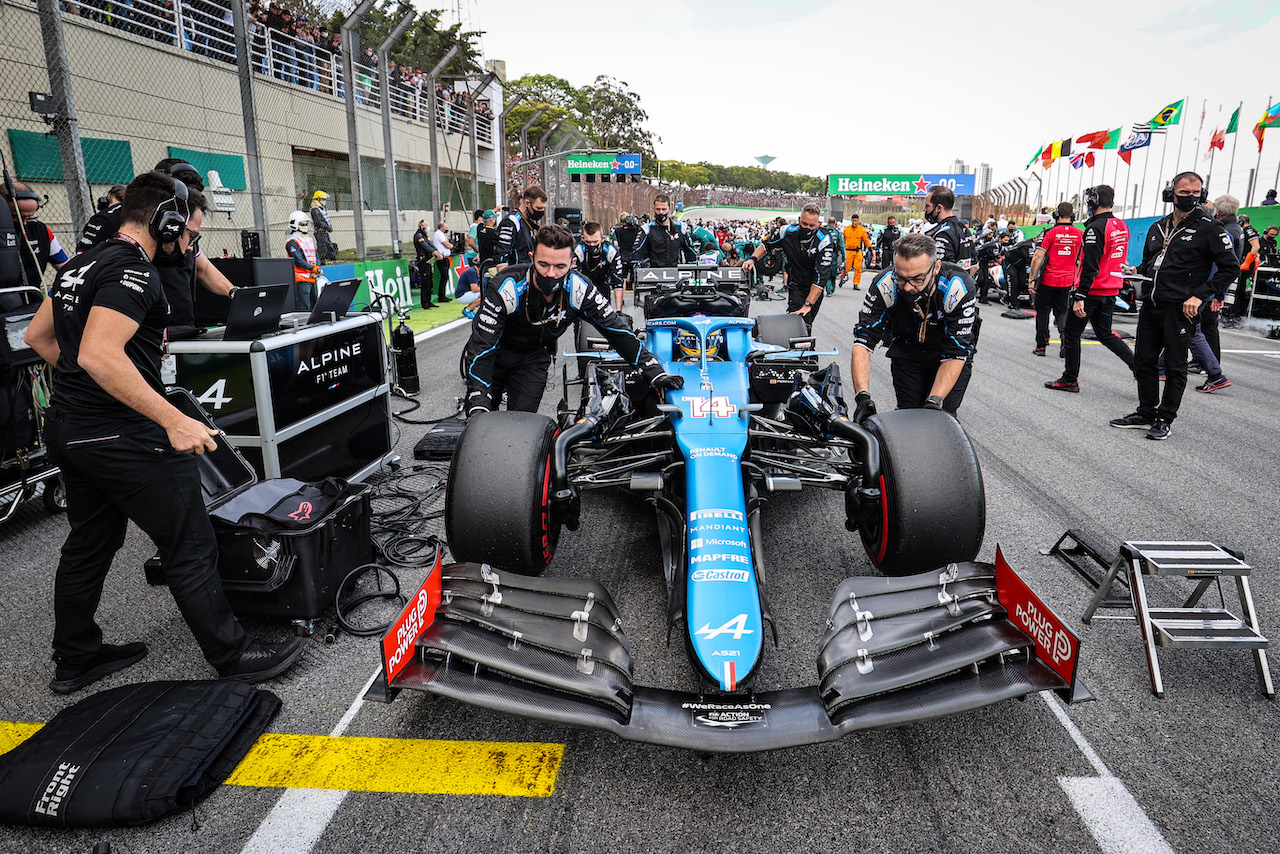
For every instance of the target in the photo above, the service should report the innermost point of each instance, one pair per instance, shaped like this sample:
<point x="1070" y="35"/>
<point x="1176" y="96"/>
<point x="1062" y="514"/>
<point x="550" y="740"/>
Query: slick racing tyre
<point x="779" y="329"/>
<point x="933" y="507"/>
<point x="497" y="507"/>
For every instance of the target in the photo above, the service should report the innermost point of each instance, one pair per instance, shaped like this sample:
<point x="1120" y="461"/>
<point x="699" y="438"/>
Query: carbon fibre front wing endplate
<point x="896" y="651"/>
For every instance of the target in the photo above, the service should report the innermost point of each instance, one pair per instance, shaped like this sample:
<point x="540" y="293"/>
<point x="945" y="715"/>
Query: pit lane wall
<point x="1260" y="217"/>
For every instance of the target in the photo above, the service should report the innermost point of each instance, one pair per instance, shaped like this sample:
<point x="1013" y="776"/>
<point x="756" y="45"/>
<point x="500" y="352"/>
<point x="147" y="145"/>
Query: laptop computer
<point x="334" y="301"/>
<point x="255" y="312"/>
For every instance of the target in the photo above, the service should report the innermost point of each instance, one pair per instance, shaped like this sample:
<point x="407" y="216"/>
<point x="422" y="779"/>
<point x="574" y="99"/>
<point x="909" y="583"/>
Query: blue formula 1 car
<point x="936" y="634"/>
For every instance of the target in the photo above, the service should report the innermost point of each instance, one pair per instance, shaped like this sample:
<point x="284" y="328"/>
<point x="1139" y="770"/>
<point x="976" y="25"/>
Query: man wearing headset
<point x="1179" y="252"/>
<point x="179" y="271"/>
<point x="40" y="239"/>
<point x="126" y="453"/>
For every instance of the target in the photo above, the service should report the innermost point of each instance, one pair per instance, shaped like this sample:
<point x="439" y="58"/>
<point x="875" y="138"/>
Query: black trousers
<point x="442" y="280"/>
<point x="913" y="377"/>
<point x="795" y="301"/>
<point x="1048" y="299"/>
<point x="1098" y="311"/>
<point x="1161" y="329"/>
<point x="522" y="376"/>
<point x="121" y="469"/>
<point x="1015" y="281"/>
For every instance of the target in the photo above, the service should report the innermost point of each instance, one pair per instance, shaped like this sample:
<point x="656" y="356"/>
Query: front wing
<point x="896" y="651"/>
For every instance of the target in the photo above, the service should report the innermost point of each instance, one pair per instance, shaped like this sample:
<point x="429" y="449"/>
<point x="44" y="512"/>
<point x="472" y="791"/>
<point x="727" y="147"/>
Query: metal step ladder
<point x="1188" y="626"/>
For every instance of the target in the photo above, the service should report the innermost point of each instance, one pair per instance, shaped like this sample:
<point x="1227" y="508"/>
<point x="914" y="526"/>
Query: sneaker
<point x="1159" y="431"/>
<point x="1064" y="385"/>
<point x="1132" y="421"/>
<point x="469" y="313"/>
<point x="1196" y="368"/>
<point x="1209" y="386"/>
<point x="264" y="660"/>
<point x="1039" y="351"/>
<point x="110" y="658"/>
<point x="1162" y="376"/>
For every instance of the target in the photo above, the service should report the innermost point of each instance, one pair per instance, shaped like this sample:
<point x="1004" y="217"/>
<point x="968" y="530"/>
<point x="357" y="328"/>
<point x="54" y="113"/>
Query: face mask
<point x="593" y="252"/>
<point x="1186" y="204"/>
<point x="534" y="215"/>
<point x="659" y="218"/>
<point x="547" y="285"/>
<point x="931" y="215"/>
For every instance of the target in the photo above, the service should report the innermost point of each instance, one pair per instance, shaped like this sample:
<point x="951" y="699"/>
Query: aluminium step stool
<point x="1188" y="626"/>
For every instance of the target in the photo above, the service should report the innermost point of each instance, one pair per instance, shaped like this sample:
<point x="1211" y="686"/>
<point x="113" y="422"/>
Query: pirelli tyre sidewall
<point x="779" y="329"/>
<point x="497" y="502"/>
<point x="933" y="505"/>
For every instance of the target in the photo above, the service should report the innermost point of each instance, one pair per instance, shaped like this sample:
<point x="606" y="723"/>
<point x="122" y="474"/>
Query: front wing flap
<point x="896" y="651"/>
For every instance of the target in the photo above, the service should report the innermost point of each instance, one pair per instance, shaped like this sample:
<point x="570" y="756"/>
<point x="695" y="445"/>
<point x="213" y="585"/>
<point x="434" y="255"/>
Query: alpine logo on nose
<point x="737" y="627"/>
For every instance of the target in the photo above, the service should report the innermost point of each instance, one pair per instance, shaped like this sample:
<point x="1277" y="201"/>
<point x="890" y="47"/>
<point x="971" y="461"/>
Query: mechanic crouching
<point x="523" y="311"/>
<point x="925" y="309"/>
<point x="126" y="453"/>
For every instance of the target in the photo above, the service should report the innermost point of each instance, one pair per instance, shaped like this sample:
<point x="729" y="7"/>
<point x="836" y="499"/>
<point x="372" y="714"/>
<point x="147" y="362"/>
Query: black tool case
<point x="278" y="570"/>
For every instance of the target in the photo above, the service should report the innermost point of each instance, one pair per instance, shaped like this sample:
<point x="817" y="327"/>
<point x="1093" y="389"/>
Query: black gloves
<point x="933" y="402"/>
<point x="665" y="382"/>
<point x="865" y="407"/>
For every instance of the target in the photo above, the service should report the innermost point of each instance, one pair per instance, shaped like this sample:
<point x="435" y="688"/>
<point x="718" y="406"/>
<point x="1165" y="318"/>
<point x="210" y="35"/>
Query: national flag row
<point x="1141" y="137"/>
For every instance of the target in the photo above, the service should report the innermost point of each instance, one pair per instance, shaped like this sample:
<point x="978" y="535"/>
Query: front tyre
<point x="497" y="508"/>
<point x="933" y="507"/>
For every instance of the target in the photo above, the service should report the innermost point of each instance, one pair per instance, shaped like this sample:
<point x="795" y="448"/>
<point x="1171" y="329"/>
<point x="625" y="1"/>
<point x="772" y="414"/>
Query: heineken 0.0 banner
<point x="603" y="164"/>
<point x="897" y="185"/>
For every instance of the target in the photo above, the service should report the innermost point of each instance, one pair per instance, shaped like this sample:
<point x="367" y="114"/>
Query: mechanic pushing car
<point x="522" y="313"/>
<point x="925" y="308"/>
<point x="663" y="241"/>
<point x="808" y="255"/>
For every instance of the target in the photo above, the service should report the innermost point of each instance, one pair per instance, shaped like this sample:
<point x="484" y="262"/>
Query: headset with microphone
<point x="169" y="220"/>
<point x="1167" y="194"/>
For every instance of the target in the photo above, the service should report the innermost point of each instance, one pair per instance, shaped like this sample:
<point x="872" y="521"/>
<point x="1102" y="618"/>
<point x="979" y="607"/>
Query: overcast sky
<point x="892" y="86"/>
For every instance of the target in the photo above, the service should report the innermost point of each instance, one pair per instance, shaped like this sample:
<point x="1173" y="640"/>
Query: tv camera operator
<point x="523" y="310"/>
<point x="126" y="453"/>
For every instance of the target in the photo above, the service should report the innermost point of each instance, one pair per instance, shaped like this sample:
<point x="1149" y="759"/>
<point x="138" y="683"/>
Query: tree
<point x="422" y="45"/>
<point x="618" y="118"/>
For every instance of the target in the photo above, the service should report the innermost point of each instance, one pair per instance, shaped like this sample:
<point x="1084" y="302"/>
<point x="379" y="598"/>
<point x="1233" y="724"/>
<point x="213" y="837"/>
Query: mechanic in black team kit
<point x="925" y="309"/>
<point x="599" y="262"/>
<point x="1179" y="252"/>
<point x="663" y="241"/>
<point x="523" y="311"/>
<point x="955" y="243"/>
<point x="126" y="453"/>
<point x="514" y="244"/>
<point x="809" y="254"/>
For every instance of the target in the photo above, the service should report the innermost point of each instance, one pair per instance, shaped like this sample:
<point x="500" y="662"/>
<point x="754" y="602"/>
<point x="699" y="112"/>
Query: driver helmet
<point x="299" y="222"/>
<point x="687" y="345"/>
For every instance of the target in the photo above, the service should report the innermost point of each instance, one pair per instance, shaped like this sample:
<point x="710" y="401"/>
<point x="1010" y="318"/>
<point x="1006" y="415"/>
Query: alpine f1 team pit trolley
<point x="307" y="402"/>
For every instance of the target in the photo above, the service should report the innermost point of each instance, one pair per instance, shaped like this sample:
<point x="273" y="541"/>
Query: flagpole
<point x="1234" y="142"/>
<point x="1146" y="163"/>
<point x="1164" y="150"/>
<point x="1181" y="137"/>
<point x="1203" y="106"/>
<point x="1254" y="180"/>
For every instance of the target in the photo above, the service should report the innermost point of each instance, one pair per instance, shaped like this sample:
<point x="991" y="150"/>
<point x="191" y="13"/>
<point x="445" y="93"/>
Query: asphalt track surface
<point x="1193" y="772"/>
